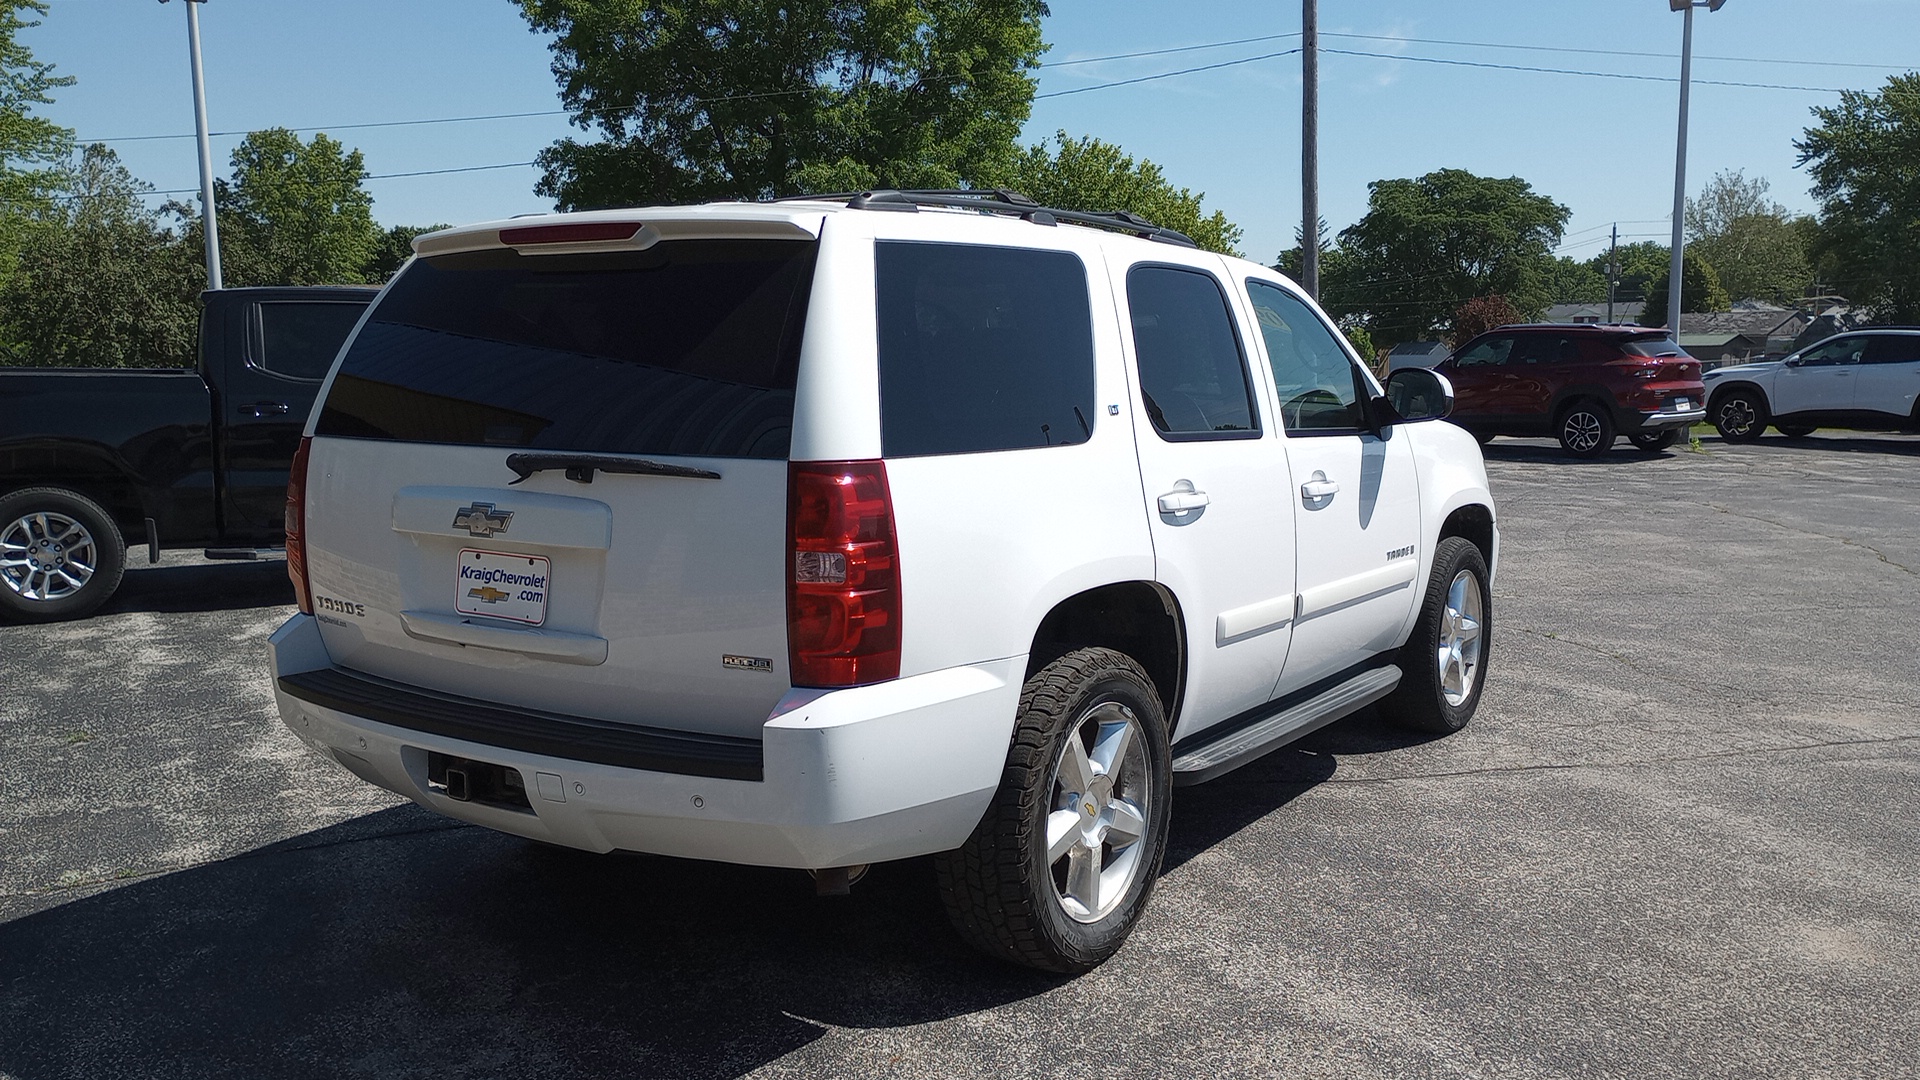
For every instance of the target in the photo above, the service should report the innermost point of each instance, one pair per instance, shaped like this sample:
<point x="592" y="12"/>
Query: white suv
<point x="1868" y="380"/>
<point x="823" y="532"/>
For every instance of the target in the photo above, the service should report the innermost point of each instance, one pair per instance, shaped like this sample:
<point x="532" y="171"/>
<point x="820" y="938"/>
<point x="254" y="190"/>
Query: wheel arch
<point x="1474" y="524"/>
<point x="1139" y="618"/>
<point x="87" y="470"/>
<point x="1722" y="390"/>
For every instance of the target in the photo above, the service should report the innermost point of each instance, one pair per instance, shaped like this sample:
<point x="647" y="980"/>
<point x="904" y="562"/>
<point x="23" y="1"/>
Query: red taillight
<point x="297" y="528"/>
<point x="579" y="232"/>
<point x="843" y="575"/>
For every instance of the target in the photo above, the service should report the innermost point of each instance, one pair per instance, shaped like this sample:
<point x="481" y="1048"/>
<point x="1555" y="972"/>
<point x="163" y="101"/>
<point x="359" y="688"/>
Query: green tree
<point x="1571" y="282"/>
<point x="1428" y="244"/>
<point x="1700" y="290"/>
<point x="293" y="213"/>
<point x="708" y="99"/>
<point x="1638" y="263"/>
<point x="33" y="150"/>
<point x="1087" y="174"/>
<point x="100" y="282"/>
<point x="1862" y="158"/>
<point x="394" y="249"/>
<point x="1749" y="240"/>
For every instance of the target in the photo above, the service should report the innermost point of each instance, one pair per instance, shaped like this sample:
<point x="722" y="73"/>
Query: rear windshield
<point x="687" y="348"/>
<point x="1654" y="347"/>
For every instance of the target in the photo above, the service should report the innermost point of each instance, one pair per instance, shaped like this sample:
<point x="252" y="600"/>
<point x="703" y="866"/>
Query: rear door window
<point x="1193" y="371"/>
<point x="690" y="347"/>
<point x="1893" y="349"/>
<point x="982" y="348"/>
<point x="298" y="340"/>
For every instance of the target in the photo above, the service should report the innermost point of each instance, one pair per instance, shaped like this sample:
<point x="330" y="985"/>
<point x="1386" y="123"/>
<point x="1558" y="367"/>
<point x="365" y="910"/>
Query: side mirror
<point x="1416" y="394"/>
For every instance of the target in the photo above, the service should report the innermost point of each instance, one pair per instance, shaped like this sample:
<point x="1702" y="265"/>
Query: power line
<point x="1617" y="52"/>
<point x="371" y="176"/>
<point x="1588" y="74"/>
<point x="1167" y="52"/>
<point x="1168" y="74"/>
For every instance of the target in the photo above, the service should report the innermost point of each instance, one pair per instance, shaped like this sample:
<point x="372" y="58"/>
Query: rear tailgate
<point x="559" y="480"/>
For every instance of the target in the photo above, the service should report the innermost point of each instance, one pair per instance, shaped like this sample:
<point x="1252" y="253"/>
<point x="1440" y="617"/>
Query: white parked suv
<point x="822" y="532"/>
<point x="1867" y="379"/>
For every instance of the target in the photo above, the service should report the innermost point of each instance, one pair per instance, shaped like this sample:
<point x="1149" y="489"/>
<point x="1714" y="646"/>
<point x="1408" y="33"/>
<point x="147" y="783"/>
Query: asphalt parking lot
<point x="1678" y="840"/>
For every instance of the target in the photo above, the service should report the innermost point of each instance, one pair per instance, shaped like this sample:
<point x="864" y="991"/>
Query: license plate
<point x="1681" y="404"/>
<point x="502" y="585"/>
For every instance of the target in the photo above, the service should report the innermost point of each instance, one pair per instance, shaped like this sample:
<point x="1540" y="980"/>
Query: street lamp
<point x="1680" y="161"/>
<point x="208" y="226"/>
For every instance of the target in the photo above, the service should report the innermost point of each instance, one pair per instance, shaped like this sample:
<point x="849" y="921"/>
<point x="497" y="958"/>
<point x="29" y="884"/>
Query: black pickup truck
<point x="173" y="458"/>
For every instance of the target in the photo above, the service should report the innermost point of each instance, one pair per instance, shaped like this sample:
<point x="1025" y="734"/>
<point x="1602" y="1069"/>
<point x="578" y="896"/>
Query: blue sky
<point x="1602" y="146"/>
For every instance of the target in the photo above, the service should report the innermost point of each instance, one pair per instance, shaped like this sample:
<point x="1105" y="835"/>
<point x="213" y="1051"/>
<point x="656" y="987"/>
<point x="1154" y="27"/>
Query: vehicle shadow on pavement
<point x="403" y="944"/>
<point x="1209" y="813"/>
<point x="1545" y="452"/>
<point x="1864" y="443"/>
<point x="212" y="586"/>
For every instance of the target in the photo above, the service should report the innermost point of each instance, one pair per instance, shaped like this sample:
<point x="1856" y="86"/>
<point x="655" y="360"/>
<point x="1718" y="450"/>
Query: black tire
<point x="1585" y="428"/>
<point x="43" y="579"/>
<point x="1740" y="415"/>
<point x="1003" y="893"/>
<point x="1483" y="437"/>
<point x="1655" y="441"/>
<point x="1422" y="701"/>
<point x="1794" y="431"/>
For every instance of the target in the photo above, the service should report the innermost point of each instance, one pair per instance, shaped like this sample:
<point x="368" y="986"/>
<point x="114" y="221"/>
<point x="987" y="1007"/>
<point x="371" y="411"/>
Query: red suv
<point x="1583" y="384"/>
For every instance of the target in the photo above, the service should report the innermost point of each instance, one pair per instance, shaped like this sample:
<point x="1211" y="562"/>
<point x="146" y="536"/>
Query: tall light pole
<point x="1680" y="161"/>
<point x="208" y="225"/>
<point x="1310" y="148"/>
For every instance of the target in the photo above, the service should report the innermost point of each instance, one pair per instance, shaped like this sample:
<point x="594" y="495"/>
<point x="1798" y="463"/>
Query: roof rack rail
<point x="996" y="201"/>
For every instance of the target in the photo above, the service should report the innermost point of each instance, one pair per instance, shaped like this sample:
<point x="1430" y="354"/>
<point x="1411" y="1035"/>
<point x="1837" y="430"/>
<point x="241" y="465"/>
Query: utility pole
<point x="1613" y="269"/>
<point x="1310" y="148"/>
<point x="208" y="225"/>
<point x="1680" y="161"/>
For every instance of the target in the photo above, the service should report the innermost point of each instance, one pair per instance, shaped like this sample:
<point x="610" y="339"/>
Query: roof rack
<point x="997" y="201"/>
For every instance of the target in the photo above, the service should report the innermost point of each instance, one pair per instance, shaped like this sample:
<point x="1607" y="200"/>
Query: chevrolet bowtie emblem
<point x="487" y="594"/>
<point x="481" y="519"/>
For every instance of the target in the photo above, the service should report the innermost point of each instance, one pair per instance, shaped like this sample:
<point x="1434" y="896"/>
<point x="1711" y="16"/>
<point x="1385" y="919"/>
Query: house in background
<point x="1623" y="312"/>
<point x="1416" y="354"/>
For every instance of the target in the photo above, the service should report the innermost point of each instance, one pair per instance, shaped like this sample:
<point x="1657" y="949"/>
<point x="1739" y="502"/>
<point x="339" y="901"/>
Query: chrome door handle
<point x="1319" y="488"/>
<point x="1180" y="501"/>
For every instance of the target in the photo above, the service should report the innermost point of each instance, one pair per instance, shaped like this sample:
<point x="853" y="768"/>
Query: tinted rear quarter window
<point x="687" y="348"/>
<point x="299" y="340"/>
<point x="981" y="348"/>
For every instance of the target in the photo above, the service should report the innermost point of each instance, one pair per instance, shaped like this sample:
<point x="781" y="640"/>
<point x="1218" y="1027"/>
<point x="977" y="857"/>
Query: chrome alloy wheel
<point x="1101" y="797"/>
<point x="1581" y="431"/>
<point x="1458" y="656"/>
<point x="1736" y="416"/>
<point x="47" y="556"/>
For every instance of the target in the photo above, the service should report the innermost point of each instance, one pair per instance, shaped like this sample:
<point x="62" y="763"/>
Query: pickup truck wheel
<point x="1739" y="415"/>
<point x="1444" y="664"/>
<point x="1586" y="429"/>
<point x="1653" y="441"/>
<point x="1058" y="870"/>
<point x="60" y="555"/>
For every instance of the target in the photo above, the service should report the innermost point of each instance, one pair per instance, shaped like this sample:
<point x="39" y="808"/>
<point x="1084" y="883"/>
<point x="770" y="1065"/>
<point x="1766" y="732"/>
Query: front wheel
<point x="1444" y="664"/>
<point x="1654" y="441"/>
<point x="1059" y="869"/>
<point x="1740" y="415"/>
<point x="61" y="556"/>
<point x="1586" y="429"/>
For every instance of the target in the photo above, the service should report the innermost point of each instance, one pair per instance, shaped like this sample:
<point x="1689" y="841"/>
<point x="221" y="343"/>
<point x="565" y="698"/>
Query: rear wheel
<point x="1483" y="437"/>
<point x="1059" y="869"/>
<point x="1586" y="429"/>
<point x="1652" y="441"/>
<point x="1794" y="431"/>
<point x="1444" y="664"/>
<point x="1740" y="415"/>
<point x="61" y="556"/>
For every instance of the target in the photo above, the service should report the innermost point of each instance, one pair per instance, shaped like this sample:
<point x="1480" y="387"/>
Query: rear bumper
<point x="1659" y="421"/>
<point x="847" y="776"/>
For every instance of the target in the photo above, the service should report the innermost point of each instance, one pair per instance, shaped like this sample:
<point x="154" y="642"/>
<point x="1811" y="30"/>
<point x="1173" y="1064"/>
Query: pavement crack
<point x="1847" y="540"/>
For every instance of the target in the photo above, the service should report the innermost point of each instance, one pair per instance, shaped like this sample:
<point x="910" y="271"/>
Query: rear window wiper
<point x="580" y="467"/>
